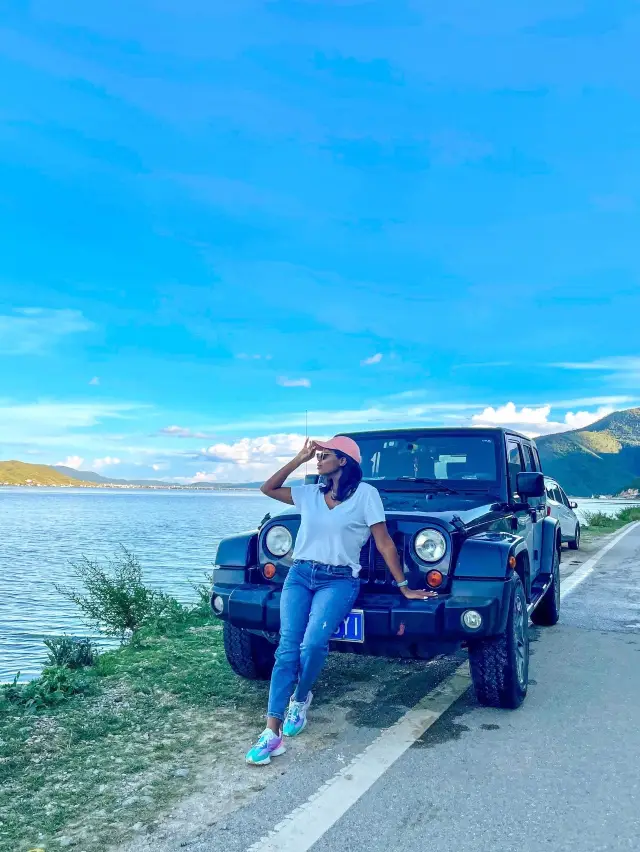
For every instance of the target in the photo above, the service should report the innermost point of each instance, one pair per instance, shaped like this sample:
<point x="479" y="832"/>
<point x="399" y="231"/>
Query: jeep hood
<point x="438" y="507"/>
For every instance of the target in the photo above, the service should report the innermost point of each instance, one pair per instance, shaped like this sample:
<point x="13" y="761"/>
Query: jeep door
<point x="526" y="524"/>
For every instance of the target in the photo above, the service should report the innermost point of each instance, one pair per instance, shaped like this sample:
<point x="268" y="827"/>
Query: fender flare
<point x="238" y="551"/>
<point x="486" y="555"/>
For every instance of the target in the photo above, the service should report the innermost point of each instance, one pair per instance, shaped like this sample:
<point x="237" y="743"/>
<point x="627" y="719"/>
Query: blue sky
<point x="218" y="216"/>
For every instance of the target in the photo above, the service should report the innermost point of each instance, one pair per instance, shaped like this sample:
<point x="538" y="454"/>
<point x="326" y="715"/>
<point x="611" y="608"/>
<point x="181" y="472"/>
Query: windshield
<point x="444" y="457"/>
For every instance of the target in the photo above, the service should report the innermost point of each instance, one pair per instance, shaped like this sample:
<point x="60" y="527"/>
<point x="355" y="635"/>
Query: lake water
<point x="175" y="535"/>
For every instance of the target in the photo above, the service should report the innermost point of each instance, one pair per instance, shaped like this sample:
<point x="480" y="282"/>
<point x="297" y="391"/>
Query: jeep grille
<point x="374" y="571"/>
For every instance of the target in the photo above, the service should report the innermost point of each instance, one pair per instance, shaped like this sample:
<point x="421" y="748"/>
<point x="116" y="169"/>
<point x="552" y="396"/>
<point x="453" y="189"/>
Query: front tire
<point x="547" y="612"/>
<point x="500" y="664"/>
<point x="574" y="544"/>
<point x="250" y="656"/>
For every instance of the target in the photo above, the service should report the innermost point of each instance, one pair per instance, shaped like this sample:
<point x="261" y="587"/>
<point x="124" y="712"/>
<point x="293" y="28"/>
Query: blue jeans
<point x="315" y="599"/>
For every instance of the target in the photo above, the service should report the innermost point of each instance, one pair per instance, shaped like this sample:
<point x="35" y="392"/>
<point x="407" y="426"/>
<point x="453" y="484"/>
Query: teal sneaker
<point x="296" y="719"/>
<point x="268" y="745"/>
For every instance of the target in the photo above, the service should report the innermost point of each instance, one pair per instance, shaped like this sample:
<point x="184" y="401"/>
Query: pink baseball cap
<point x="343" y="445"/>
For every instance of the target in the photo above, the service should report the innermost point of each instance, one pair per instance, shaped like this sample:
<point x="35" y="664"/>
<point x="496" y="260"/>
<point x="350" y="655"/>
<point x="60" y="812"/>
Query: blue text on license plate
<point x="351" y="629"/>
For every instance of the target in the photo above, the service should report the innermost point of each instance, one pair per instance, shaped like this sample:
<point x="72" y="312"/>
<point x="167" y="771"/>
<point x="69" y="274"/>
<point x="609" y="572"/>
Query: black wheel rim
<point x="556" y="580"/>
<point x="577" y="536"/>
<point x="520" y="638"/>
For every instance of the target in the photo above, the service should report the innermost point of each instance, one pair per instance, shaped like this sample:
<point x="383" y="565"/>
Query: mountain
<point x="21" y="473"/>
<point x="90" y="476"/>
<point x="601" y="459"/>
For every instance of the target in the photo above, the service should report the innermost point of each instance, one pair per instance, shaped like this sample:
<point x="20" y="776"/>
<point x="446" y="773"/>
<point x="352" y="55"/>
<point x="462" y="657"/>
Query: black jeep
<point x="466" y="509"/>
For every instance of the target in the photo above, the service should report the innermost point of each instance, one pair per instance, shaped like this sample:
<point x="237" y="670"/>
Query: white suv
<point x="559" y="506"/>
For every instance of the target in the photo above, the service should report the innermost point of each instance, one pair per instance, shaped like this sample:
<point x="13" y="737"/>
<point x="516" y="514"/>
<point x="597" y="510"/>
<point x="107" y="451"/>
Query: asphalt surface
<point x="561" y="773"/>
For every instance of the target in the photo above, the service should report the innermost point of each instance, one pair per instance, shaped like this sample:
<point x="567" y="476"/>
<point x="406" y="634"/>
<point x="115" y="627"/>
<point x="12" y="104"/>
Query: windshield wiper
<point x="437" y="486"/>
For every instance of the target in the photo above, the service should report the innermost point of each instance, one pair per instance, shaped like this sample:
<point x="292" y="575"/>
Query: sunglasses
<point x="323" y="456"/>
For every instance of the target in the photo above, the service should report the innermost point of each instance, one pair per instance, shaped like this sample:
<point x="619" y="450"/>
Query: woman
<point x="322" y="584"/>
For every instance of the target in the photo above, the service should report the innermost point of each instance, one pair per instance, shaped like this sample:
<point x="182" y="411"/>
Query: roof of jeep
<point x="456" y="430"/>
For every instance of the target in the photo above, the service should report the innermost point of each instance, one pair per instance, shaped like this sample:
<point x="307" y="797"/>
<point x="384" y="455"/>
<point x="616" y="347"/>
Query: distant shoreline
<point x="112" y="487"/>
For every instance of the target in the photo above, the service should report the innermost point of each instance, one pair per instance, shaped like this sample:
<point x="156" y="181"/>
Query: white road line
<point x="588" y="567"/>
<point x="305" y="825"/>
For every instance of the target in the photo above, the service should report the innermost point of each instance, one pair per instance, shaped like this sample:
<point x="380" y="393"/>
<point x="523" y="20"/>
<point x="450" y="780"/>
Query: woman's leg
<point x="295" y="605"/>
<point x="331" y="604"/>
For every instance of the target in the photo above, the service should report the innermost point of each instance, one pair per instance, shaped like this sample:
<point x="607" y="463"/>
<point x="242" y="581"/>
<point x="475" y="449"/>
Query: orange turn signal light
<point x="269" y="570"/>
<point x="512" y="562"/>
<point x="434" y="579"/>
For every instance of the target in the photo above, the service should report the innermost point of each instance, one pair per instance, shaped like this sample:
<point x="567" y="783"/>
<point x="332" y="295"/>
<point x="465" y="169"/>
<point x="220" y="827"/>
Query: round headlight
<point x="430" y="545"/>
<point x="278" y="541"/>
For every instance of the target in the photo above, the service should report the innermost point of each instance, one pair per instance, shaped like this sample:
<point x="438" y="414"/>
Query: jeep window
<point x="515" y="464"/>
<point x="537" y="457"/>
<point x="529" y="458"/>
<point x="563" y="497"/>
<point x="446" y="457"/>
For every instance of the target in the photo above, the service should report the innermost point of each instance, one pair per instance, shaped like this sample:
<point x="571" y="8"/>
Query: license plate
<point x="351" y="629"/>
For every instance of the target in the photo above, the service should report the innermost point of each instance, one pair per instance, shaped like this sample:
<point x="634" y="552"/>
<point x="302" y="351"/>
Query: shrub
<point x="71" y="652"/>
<point x="203" y="590"/>
<point x="599" y="519"/>
<point x="631" y="513"/>
<point x="55" y="685"/>
<point x="115" y="598"/>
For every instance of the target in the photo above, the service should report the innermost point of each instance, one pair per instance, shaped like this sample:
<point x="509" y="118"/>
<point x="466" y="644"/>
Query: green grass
<point x="598" y="523"/>
<point x="89" y="767"/>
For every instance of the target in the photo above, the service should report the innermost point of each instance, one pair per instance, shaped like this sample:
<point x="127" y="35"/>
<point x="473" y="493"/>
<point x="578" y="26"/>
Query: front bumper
<point x="386" y="616"/>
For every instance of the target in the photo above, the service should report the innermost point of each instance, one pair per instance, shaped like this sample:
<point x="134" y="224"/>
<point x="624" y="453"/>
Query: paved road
<point x="561" y="773"/>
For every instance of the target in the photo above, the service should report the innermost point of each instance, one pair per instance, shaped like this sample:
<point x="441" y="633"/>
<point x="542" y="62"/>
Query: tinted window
<point x="515" y="464"/>
<point x="433" y="456"/>
<point x="529" y="458"/>
<point x="557" y="496"/>
<point x="549" y="489"/>
<point x="563" y="497"/>
<point x="537" y="457"/>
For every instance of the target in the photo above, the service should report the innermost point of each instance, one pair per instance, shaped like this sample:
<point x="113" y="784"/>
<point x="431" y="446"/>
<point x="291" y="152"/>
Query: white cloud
<point x="157" y="467"/>
<point x="184" y="432"/>
<point x="293" y="383"/>
<point x="582" y="419"/>
<point x="71" y="461"/>
<point x="534" y="421"/>
<point x="46" y="420"/>
<point x="244" y="356"/>
<point x="622" y="363"/>
<point x="33" y="331"/>
<point x="264" y="450"/>
<point x="374" y="359"/>
<point x="508" y="415"/>
<point x="107" y="461"/>
<point x="95" y="380"/>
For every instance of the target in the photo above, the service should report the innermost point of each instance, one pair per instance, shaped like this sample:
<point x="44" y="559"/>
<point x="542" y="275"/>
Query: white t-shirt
<point x="335" y="536"/>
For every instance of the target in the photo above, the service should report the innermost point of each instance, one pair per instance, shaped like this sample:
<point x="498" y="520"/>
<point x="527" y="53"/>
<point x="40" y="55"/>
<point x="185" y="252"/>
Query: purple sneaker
<point x="268" y="745"/>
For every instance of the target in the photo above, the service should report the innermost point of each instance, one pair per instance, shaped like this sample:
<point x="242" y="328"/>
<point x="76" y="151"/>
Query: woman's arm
<point x="387" y="548"/>
<point x="273" y="485"/>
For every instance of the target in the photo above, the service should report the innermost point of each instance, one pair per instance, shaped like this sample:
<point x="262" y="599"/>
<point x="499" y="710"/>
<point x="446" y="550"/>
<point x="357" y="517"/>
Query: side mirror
<point x="573" y="505"/>
<point x="530" y="484"/>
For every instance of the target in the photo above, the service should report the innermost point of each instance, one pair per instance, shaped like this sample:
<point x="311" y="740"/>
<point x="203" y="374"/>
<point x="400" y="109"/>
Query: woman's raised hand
<point x="307" y="452"/>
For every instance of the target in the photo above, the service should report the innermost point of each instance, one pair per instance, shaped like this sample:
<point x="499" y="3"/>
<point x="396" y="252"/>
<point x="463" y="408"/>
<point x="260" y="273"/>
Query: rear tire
<point x="250" y="656"/>
<point x="574" y="544"/>
<point x="547" y="612"/>
<point x="500" y="664"/>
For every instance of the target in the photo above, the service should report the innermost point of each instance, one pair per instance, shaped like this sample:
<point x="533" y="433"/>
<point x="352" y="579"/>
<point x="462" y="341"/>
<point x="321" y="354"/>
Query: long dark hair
<point x="350" y="478"/>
